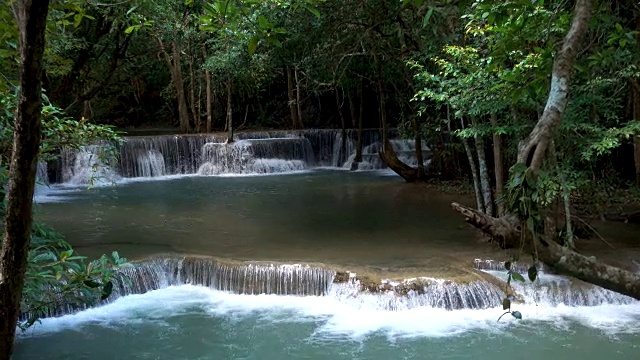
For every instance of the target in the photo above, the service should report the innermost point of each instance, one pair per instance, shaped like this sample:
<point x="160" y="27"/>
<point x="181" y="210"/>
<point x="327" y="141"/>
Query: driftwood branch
<point x="560" y="259"/>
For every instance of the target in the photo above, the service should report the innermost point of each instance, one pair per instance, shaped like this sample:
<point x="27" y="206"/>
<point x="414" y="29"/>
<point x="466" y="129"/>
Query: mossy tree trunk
<point x="31" y="17"/>
<point x="532" y="152"/>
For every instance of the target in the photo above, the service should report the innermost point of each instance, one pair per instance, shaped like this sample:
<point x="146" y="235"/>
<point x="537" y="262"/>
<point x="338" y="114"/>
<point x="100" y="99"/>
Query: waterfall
<point x="256" y="156"/>
<point x="239" y="278"/>
<point x="262" y="152"/>
<point x="304" y="280"/>
<point x="86" y="165"/>
<point x="550" y="289"/>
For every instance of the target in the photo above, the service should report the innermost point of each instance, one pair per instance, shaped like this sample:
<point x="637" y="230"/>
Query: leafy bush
<point x="56" y="277"/>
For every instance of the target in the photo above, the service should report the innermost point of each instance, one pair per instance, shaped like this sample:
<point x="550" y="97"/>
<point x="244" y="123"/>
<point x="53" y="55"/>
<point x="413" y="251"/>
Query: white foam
<point x="337" y="318"/>
<point x="54" y="194"/>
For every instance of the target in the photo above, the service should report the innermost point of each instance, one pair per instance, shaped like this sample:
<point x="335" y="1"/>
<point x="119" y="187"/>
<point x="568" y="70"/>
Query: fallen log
<point x="560" y="259"/>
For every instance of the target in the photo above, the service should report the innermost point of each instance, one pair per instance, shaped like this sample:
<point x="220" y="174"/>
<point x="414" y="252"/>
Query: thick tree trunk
<point x="635" y="108"/>
<point x="209" y="102"/>
<point x="561" y="259"/>
<point x="292" y="99"/>
<point x="498" y="166"/>
<point x="352" y="110"/>
<point x="343" y="131"/>
<point x="419" y="155"/>
<point x="229" y="112"/>
<point x="298" y="101"/>
<point x="474" y="172"/>
<point x="532" y="151"/>
<point x="174" y="64"/>
<point x="178" y="83"/>
<point x="485" y="182"/>
<point x="192" y="93"/>
<point x="31" y="17"/>
<point x="358" y="158"/>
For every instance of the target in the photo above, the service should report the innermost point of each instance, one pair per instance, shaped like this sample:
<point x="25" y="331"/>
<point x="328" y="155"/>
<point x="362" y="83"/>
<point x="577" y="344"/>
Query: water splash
<point x="87" y="166"/>
<point x="256" y="156"/>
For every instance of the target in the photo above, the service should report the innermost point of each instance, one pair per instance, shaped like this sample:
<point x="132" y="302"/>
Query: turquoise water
<point x="360" y="221"/>
<point x="189" y="322"/>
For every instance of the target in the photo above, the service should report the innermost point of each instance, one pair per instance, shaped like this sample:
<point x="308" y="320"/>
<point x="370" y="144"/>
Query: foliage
<point x="57" y="278"/>
<point x="532" y="274"/>
<point x="58" y="131"/>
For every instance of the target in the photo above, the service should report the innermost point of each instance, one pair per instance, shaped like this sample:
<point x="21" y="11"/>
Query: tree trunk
<point x="561" y="259"/>
<point x="229" y="112"/>
<point x="298" y="101"/>
<point x="498" y="166"/>
<point x="532" y="151"/>
<point x="343" y="131"/>
<point x="419" y="155"/>
<point x="352" y="110"/>
<point x="192" y="93"/>
<point x="358" y="159"/>
<point x="474" y="172"/>
<point x="635" y="106"/>
<point x="485" y="182"/>
<point x="31" y="17"/>
<point x="175" y="70"/>
<point x="209" y="104"/>
<point x="292" y="99"/>
<point x="178" y="83"/>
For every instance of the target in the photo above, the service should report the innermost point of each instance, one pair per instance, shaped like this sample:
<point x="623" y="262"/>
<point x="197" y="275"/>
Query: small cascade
<point x="553" y="290"/>
<point x="550" y="289"/>
<point x="404" y="149"/>
<point x="151" y="164"/>
<point x="342" y="147"/>
<point x="239" y="278"/>
<point x="492" y="265"/>
<point x="42" y="174"/>
<point x="256" y="156"/>
<point x="421" y="292"/>
<point x="86" y="166"/>
<point x="180" y="154"/>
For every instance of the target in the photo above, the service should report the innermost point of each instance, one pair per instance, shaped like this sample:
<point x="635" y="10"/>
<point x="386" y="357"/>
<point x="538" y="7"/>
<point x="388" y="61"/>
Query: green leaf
<point x="130" y="29"/>
<point x="517" y="277"/>
<point x="506" y="304"/>
<point x="253" y="45"/>
<point x="312" y="10"/>
<point x="533" y="273"/>
<point x="427" y="16"/>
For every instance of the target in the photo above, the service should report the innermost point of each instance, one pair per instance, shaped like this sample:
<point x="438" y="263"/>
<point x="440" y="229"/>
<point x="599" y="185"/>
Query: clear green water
<point x="362" y="221"/>
<point x="196" y="323"/>
<point x="334" y="217"/>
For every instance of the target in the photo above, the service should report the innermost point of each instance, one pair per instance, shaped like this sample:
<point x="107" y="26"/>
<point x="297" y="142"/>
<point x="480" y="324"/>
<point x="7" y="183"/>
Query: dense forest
<point x="550" y="86"/>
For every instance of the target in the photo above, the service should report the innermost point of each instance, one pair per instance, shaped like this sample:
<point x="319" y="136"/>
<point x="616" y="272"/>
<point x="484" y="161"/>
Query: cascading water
<point x="256" y="156"/>
<point x="553" y="290"/>
<point x="87" y="166"/>
<point x="209" y="154"/>
<point x="303" y="280"/>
